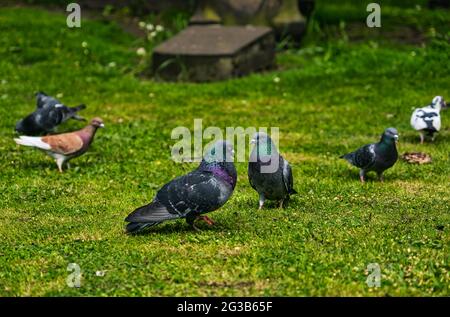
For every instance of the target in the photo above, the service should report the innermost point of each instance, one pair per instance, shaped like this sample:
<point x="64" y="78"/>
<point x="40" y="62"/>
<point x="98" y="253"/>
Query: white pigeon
<point x="428" y="119"/>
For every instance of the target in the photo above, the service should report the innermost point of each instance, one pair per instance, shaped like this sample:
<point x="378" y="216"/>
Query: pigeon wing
<point x="49" y="118"/>
<point x="66" y="143"/>
<point x="363" y="157"/>
<point x="426" y="118"/>
<point x="288" y="179"/>
<point x="186" y="194"/>
<point x="191" y="193"/>
<point x="252" y="169"/>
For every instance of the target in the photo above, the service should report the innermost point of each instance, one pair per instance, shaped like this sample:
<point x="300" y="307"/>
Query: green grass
<point x="333" y="96"/>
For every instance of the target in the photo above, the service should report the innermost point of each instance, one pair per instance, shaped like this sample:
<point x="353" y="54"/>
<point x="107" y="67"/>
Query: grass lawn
<point x="340" y="90"/>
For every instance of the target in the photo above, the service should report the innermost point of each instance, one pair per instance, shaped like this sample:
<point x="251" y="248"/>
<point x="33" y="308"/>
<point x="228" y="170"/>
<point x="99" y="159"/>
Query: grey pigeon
<point x="49" y="113"/>
<point x="268" y="172"/>
<point x="376" y="157"/>
<point x="65" y="146"/>
<point x="205" y="189"/>
<point x="428" y="119"/>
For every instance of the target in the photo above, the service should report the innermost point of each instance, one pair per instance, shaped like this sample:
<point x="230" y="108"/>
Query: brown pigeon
<point x="65" y="146"/>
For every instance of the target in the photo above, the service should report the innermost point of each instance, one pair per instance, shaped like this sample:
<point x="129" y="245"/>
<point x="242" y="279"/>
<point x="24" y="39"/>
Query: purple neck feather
<point x="87" y="134"/>
<point x="220" y="172"/>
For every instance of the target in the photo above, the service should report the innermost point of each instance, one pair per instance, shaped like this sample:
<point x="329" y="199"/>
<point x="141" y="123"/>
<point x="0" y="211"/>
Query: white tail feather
<point x="33" y="141"/>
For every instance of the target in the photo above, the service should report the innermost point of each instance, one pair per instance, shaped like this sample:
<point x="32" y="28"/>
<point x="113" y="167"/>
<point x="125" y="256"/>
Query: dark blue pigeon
<point x="376" y="157"/>
<point x="49" y="113"/>
<point x="203" y="190"/>
<point x="268" y="172"/>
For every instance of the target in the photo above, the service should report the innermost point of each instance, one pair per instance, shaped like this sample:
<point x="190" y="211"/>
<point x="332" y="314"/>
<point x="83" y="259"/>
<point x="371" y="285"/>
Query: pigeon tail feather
<point x="78" y="108"/>
<point x="153" y="212"/>
<point x="136" y="227"/>
<point x="33" y="141"/>
<point x="348" y="157"/>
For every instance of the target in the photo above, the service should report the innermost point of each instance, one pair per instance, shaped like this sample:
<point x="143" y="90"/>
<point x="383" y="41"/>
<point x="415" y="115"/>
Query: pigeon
<point x="428" y="119"/>
<point x="203" y="190"/>
<point x="65" y="146"/>
<point x="49" y="113"/>
<point x="376" y="157"/>
<point x="268" y="172"/>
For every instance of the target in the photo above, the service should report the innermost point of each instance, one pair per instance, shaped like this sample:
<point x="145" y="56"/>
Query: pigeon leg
<point x="206" y="219"/>
<point x="362" y="176"/>
<point x="261" y="201"/>
<point x="422" y="138"/>
<point x="190" y="219"/>
<point x="195" y="227"/>
<point x="60" y="162"/>
<point x="284" y="202"/>
<point x="381" y="177"/>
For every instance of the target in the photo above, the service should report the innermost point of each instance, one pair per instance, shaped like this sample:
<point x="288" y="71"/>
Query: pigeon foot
<point x="422" y="138"/>
<point x="261" y="201"/>
<point x="193" y="226"/>
<point x="206" y="219"/>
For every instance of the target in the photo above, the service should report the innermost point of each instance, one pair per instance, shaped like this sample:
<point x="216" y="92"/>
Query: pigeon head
<point x="221" y="151"/>
<point x="97" y="122"/>
<point x="40" y="93"/>
<point x="260" y="137"/>
<point x="41" y="98"/>
<point x="390" y="135"/>
<point x="264" y="143"/>
<point x="27" y="125"/>
<point x="439" y="103"/>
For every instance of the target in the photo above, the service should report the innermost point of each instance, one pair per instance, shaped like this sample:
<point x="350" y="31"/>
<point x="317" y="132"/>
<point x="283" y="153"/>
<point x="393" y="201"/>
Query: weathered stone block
<point x="213" y="52"/>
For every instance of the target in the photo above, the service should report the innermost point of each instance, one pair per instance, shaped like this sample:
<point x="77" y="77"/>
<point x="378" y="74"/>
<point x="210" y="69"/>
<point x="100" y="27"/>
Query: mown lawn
<point x="337" y="92"/>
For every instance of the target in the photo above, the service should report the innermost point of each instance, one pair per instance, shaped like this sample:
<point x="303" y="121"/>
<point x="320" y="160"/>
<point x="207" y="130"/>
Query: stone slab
<point x="212" y="40"/>
<point x="214" y="52"/>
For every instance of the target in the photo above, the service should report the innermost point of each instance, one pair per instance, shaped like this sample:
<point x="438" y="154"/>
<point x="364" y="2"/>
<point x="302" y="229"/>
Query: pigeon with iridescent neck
<point x="65" y="146"/>
<point x="268" y="172"/>
<point x="376" y="157"/>
<point x="203" y="190"/>
<point x="49" y="113"/>
<point x="428" y="119"/>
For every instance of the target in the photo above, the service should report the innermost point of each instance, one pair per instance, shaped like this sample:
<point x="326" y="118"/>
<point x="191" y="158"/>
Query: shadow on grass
<point x="180" y="226"/>
<point x="36" y="165"/>
<point x="353" y="176"/>
<point x="49" y="163"/>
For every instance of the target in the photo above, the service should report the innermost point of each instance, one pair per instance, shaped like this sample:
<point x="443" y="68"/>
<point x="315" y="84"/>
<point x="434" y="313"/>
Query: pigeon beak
<point x="252" y="141"/>
<point x="102" y="125"/>
<point x="396" y="138"/>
